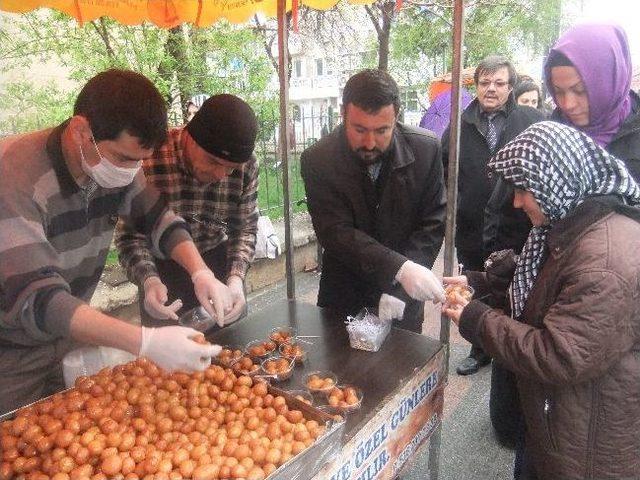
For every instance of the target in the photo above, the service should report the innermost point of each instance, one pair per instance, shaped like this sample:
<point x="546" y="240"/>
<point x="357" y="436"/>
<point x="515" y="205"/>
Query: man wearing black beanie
<point x="209" y="176"/>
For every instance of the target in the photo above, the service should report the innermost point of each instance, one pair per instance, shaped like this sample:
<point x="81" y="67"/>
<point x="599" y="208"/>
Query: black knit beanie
<point x="225" y="126"/>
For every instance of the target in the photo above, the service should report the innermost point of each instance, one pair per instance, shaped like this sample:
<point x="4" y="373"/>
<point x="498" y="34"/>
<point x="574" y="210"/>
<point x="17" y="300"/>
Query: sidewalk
<point x="469" y="450"/>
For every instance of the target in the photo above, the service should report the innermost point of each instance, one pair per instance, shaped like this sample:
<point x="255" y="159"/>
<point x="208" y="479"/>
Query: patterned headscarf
<point x="561" y="167"/>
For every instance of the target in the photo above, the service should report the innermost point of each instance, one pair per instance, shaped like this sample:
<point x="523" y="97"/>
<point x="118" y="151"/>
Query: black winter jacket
<point x="366" y="240"/>
<point x="508" y="228"/>
<point x="474" y="185"/>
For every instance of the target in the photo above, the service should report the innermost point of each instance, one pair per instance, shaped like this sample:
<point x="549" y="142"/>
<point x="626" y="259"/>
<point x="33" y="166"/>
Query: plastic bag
<point x="267" y="241"/>
<point x="198" y="319"/>
<point x="367" y="331"/>
<point x="90" y="360"/>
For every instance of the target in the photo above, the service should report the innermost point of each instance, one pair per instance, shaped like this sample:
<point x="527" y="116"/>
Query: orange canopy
<point x="442" y="83"/>
<point x="164" y="13"/>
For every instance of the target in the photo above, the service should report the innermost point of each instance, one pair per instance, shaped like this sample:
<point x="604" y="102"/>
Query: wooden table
<point x="403" y="394"/>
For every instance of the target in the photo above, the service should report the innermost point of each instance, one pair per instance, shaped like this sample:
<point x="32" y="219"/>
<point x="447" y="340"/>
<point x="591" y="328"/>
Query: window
<point x="297" y="113"/>
<point x="297" y="68"/>
<point x="409" y="100"/>
<point x="328" y="68"/>
<point x="319" y="67"/>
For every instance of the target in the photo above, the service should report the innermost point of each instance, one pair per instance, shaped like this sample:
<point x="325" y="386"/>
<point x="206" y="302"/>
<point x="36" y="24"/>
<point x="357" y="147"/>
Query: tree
<point x="491" y="26"/>
<point x="421" y="38"/>
<point x="182" y="61"/>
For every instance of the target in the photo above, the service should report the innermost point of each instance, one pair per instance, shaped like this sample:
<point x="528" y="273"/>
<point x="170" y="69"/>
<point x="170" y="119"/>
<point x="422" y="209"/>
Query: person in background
<point x="573" y="338"/>
<point x="527" y="93"/>
<point x="194" y="104"/>
<point x="208" y="174"/>
<point x="61" y="191"/>
<point x="489" y="122"/>
<point x="376" y="196"/>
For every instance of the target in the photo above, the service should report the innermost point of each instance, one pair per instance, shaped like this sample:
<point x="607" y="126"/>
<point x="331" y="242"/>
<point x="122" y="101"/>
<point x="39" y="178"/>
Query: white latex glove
<point x="420" y="282"/>
<point x="172" y="348"/>
<point x="155" y="298"/>
<point x="236" y="286"/>
<point x="214" y="296"/>
<point x="390" y="308"/>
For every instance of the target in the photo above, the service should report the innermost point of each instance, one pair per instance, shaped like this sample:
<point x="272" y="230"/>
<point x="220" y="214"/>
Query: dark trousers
<point x="474" y="261"/>
<point x="504" y="407"/>
<point x="523" y="468"/>
<point x="413" y="317"/>
<point x="179" y="284"/>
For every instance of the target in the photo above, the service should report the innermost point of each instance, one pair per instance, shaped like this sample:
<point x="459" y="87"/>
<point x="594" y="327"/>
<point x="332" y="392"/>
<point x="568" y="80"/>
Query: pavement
<point x="469" y="450"/>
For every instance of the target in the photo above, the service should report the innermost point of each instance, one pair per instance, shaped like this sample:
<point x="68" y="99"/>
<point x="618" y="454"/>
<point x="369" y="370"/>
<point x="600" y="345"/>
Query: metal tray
<point x="304" y="465"/>
<point x="307" y="463"/>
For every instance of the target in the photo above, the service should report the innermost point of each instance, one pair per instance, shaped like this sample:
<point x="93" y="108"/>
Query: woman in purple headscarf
<point x="588" y="72"/>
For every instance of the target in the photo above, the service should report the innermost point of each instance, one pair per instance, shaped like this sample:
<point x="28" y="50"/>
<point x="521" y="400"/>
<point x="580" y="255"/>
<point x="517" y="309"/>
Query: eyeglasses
<point x="499" y="84"/>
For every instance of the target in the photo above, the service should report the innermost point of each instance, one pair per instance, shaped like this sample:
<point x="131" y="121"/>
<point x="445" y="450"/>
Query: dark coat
<point x="625" y="144"/>
<point x="576" y="353"/>
<point x="367" y="238"/>
<point x="474" y="185"/>
<point x="508" y="228"/>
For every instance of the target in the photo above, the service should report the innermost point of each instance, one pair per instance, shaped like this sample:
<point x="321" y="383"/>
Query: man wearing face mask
<point x="209" y="176"/>
<point x="61" y="192"/>
<point x="376" y="196"/>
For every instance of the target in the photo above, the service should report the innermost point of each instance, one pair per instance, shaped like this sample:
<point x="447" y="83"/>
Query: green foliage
<point x="27" y="100"/>
<point x="270" y="192"/>
<point x="182" y="62"/>
<point x="423" y="34"/>
<point x="112" y="258"/>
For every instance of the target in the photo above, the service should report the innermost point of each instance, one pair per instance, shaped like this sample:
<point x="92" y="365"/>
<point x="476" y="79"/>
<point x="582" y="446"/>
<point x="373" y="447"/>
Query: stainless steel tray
<point x="304" y="465"/>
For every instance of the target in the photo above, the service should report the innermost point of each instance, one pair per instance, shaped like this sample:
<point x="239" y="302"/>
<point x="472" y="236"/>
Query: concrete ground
<point x="469" y="450"/>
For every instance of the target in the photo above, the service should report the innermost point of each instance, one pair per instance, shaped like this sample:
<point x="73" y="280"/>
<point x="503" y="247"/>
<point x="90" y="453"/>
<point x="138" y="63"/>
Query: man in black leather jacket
<point x="376" y="195"/>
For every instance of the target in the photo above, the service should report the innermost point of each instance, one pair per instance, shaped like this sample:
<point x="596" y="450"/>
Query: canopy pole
<point x="452" y="200"/>
<point x="283" y="56"/>
<point x="454" y="147"/>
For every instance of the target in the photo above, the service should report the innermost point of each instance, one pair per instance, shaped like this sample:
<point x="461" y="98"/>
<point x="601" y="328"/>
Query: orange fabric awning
<point x="164" y="13"/>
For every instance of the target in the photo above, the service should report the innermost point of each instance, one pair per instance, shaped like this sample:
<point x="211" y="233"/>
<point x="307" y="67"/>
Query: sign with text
<point x="383" y="446"/>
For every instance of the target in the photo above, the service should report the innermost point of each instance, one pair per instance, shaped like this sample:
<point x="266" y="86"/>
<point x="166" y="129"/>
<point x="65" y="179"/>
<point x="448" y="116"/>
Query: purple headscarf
<point x="600" y="54"/>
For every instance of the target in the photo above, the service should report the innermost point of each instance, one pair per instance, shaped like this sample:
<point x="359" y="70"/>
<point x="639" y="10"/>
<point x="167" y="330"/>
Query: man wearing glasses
<point x="61" y="192"/>
<point x="490" y="121"/>
<point x="209" y="176"/>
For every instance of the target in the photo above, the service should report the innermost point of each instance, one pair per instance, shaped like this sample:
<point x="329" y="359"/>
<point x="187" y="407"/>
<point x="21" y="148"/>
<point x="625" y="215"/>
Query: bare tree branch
<point x="103" y="34"/>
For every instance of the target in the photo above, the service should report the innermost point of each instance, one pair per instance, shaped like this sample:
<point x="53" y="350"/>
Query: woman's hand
<point x="454" y="306"/>
<point x="459" y="280"/>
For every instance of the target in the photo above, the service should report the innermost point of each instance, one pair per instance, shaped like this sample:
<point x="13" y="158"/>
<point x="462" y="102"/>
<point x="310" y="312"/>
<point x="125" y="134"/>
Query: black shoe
<point x="471" y="365"/>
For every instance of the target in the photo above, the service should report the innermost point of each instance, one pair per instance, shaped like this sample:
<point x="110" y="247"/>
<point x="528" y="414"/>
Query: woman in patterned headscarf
<point x="573" y="340"/>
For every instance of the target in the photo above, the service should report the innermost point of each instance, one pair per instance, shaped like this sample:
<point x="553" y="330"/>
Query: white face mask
<point x="106" y="174"/>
